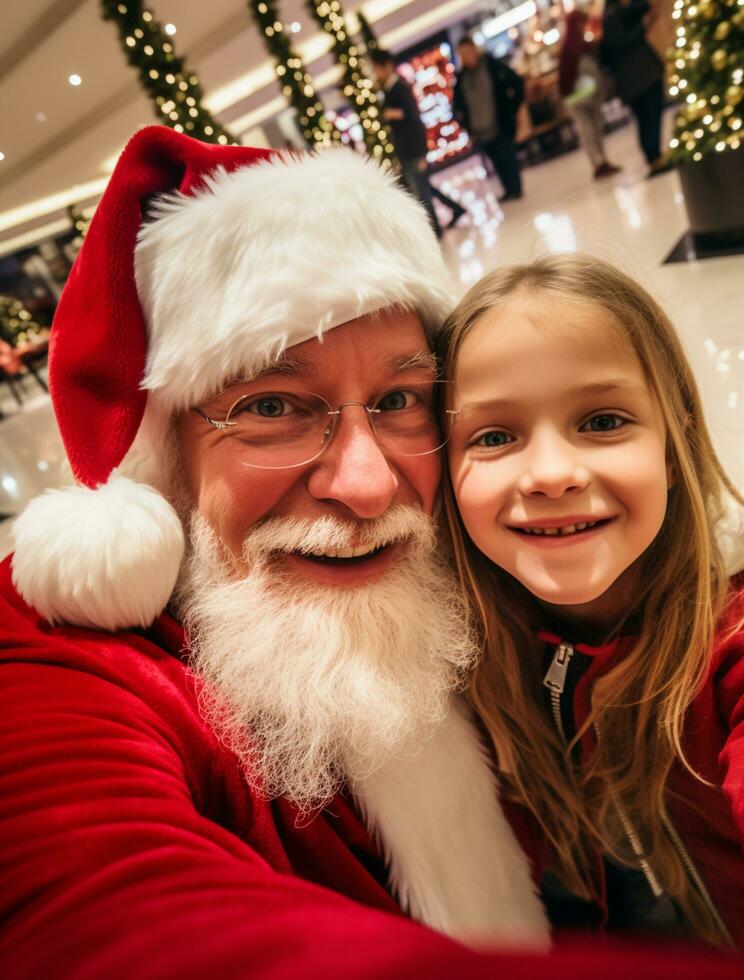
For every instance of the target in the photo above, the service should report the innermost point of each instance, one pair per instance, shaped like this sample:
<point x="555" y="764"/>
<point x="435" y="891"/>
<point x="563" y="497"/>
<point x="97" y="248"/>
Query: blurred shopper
<point x="488" y="95"/>
<point x="637" y="71"/>
<point x="580" y="83"/>
<point x="401" y="114"/>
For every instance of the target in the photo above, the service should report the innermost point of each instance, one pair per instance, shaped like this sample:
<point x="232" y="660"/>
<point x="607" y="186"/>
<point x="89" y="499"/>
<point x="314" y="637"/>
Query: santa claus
<point x="230" y="729"/>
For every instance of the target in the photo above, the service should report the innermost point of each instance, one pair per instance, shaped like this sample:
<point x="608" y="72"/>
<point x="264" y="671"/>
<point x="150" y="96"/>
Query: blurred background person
<point x="401" y="115"/>
<point x="487" y="97"/>
<point x="580" y="83"/>
<point x="637" y="71"/>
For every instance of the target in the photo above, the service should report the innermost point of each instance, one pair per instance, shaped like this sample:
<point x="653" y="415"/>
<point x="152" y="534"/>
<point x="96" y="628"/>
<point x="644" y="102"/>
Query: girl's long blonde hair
<point x="638" y="708"/>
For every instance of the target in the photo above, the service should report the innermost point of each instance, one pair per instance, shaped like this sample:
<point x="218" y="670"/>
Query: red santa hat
<point x="202" y="262"/>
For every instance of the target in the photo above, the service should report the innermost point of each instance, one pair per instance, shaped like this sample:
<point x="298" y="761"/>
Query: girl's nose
<point x="553" y="469"/>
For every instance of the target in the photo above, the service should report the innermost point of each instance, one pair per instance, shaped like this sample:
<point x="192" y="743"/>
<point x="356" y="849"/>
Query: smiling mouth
<point x="343" y="556"/>
<point x="567" y="530"/>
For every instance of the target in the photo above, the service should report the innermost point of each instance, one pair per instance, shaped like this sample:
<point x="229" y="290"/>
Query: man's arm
<point x="110" y="870"/>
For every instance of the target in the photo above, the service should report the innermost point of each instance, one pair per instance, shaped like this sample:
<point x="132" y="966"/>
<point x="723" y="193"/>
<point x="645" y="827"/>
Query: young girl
<point x="584" y="495"/>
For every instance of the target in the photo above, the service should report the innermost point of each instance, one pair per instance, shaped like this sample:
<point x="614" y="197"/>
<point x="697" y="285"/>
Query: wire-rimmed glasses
<point x="282" y="429"/>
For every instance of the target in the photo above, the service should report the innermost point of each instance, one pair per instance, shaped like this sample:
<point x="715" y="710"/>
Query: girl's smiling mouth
<point x="560" y="530"/>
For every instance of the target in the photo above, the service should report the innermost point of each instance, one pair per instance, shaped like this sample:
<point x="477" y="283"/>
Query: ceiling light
<point x="295" y="27"/>
<point x="74" y="80"/>
<point x="170" y="29"/>
<point x="496" y="25"/>
<point x="2" y="157"/>
<point x="40" y="117"/>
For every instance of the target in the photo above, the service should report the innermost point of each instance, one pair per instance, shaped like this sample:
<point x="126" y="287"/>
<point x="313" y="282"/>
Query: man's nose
<point x="553" y="467"/>
<point x="354" y="470"/>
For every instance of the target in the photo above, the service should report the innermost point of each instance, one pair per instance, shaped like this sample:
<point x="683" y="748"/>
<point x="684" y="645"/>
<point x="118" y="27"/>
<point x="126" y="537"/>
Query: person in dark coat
<point x="402" y="117"/>
<point x="488" y="95"/>
<point x="637" y="71"/>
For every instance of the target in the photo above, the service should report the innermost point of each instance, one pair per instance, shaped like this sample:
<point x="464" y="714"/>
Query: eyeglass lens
<point x="279" y="429"/>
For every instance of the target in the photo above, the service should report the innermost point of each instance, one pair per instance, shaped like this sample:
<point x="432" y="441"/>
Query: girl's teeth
<point x="565" y="530"/>
<point x="568" y="529"/>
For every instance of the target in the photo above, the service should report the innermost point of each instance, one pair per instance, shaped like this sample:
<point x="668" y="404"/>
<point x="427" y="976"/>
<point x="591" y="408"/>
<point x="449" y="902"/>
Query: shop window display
<point x="431" y="73"/>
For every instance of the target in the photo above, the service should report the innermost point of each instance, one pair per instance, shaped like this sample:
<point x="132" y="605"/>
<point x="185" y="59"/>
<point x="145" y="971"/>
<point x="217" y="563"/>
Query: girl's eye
<point x="494" y="439"/>
<point x="606" y="422"/>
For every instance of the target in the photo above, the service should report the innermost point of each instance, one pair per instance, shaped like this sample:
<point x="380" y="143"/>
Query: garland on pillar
<point x="78" y="220"/>
<point x="296" y="84"/>
<point x="356" y="86"/>
<point x="707" y="72"/>
<point x="16" y="323"/>
<point x="367" y="33"/>
<point x="173" y="89"/>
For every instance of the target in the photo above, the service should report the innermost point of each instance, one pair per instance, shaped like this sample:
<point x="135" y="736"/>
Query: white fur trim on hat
<point x="107" y="557"/>
<point x="273" y="254"/>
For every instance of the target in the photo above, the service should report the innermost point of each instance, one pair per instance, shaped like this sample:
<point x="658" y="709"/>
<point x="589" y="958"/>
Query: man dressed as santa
<point x="231" y="740"/>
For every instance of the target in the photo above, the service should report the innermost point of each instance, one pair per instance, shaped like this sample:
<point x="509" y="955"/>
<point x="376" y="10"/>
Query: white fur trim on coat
<point x="107" y="558"/>
<point x="270" y="255"/>
<point x="454" y="861"/>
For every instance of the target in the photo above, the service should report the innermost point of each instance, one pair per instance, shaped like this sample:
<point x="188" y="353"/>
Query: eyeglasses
<point x="279" y="430"/>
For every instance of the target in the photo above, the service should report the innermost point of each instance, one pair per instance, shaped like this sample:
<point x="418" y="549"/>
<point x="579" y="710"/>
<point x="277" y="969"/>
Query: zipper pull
<point x="555" y="679"/>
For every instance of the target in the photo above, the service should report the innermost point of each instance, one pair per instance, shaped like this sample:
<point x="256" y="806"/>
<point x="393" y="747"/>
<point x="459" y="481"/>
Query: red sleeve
<point x="729" y="680"/>
<point x="110" y="871"/>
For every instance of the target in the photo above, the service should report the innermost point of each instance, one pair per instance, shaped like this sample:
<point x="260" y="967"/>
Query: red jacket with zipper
<point x="708" y="816"/>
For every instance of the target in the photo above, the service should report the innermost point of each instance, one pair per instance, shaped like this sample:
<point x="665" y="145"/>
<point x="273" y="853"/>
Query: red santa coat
<point x="132" y="845"/>
<point x="707" y="816"/>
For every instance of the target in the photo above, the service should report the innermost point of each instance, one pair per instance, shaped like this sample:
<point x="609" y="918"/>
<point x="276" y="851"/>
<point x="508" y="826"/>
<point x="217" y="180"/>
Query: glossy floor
<point x="627" y="219"/>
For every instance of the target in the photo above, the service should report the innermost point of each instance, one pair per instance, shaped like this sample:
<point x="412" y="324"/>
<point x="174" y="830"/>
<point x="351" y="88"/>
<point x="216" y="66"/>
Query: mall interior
<point x="73" y="91"/>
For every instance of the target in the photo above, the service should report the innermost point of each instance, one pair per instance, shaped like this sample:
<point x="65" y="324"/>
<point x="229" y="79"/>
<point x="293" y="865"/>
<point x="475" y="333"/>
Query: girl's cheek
<point x="477" y="493"/>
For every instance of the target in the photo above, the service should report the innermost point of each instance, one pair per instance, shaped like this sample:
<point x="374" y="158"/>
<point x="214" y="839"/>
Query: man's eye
<point x="494" y="439"/>
<point x="394" y="401"/>
<point x="268" y="407"/>
<point x="606" y="422"/>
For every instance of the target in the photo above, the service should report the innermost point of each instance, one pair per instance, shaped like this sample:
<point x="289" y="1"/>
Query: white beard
<point x="312" y="686"/>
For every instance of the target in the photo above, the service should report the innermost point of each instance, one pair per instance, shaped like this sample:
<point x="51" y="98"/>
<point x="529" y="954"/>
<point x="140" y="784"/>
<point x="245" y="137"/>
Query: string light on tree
<point x="296" y="83"/>
<point x="706" y="68"/>
<point x="173" y="89"/>
<point x="367" y="33"/>
<point x="78" y="220"/>
<point x="16" y="323"/>
<point x="354" y="83"/>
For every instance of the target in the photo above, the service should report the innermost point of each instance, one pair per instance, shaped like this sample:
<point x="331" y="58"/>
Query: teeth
<point x="562" y="531"/>
<point x="346" y="552"/>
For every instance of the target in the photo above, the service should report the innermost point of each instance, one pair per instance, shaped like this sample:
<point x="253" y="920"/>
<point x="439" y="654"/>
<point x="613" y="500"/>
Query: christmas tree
<point x="707" y="72"/>
<point x="16" y="323"/>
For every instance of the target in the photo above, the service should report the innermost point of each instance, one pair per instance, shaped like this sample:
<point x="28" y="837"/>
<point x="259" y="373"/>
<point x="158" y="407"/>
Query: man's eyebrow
<point x="292" y="366"/>
<point x="410" y="362"/>
<point x="287" y="364"/>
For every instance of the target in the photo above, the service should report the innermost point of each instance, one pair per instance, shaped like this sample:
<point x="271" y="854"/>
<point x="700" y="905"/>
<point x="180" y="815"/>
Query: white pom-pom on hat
<point x="106" y="557"/>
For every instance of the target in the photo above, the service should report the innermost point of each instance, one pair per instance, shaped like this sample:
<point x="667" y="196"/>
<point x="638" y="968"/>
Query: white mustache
<point x="327" y="534"/>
